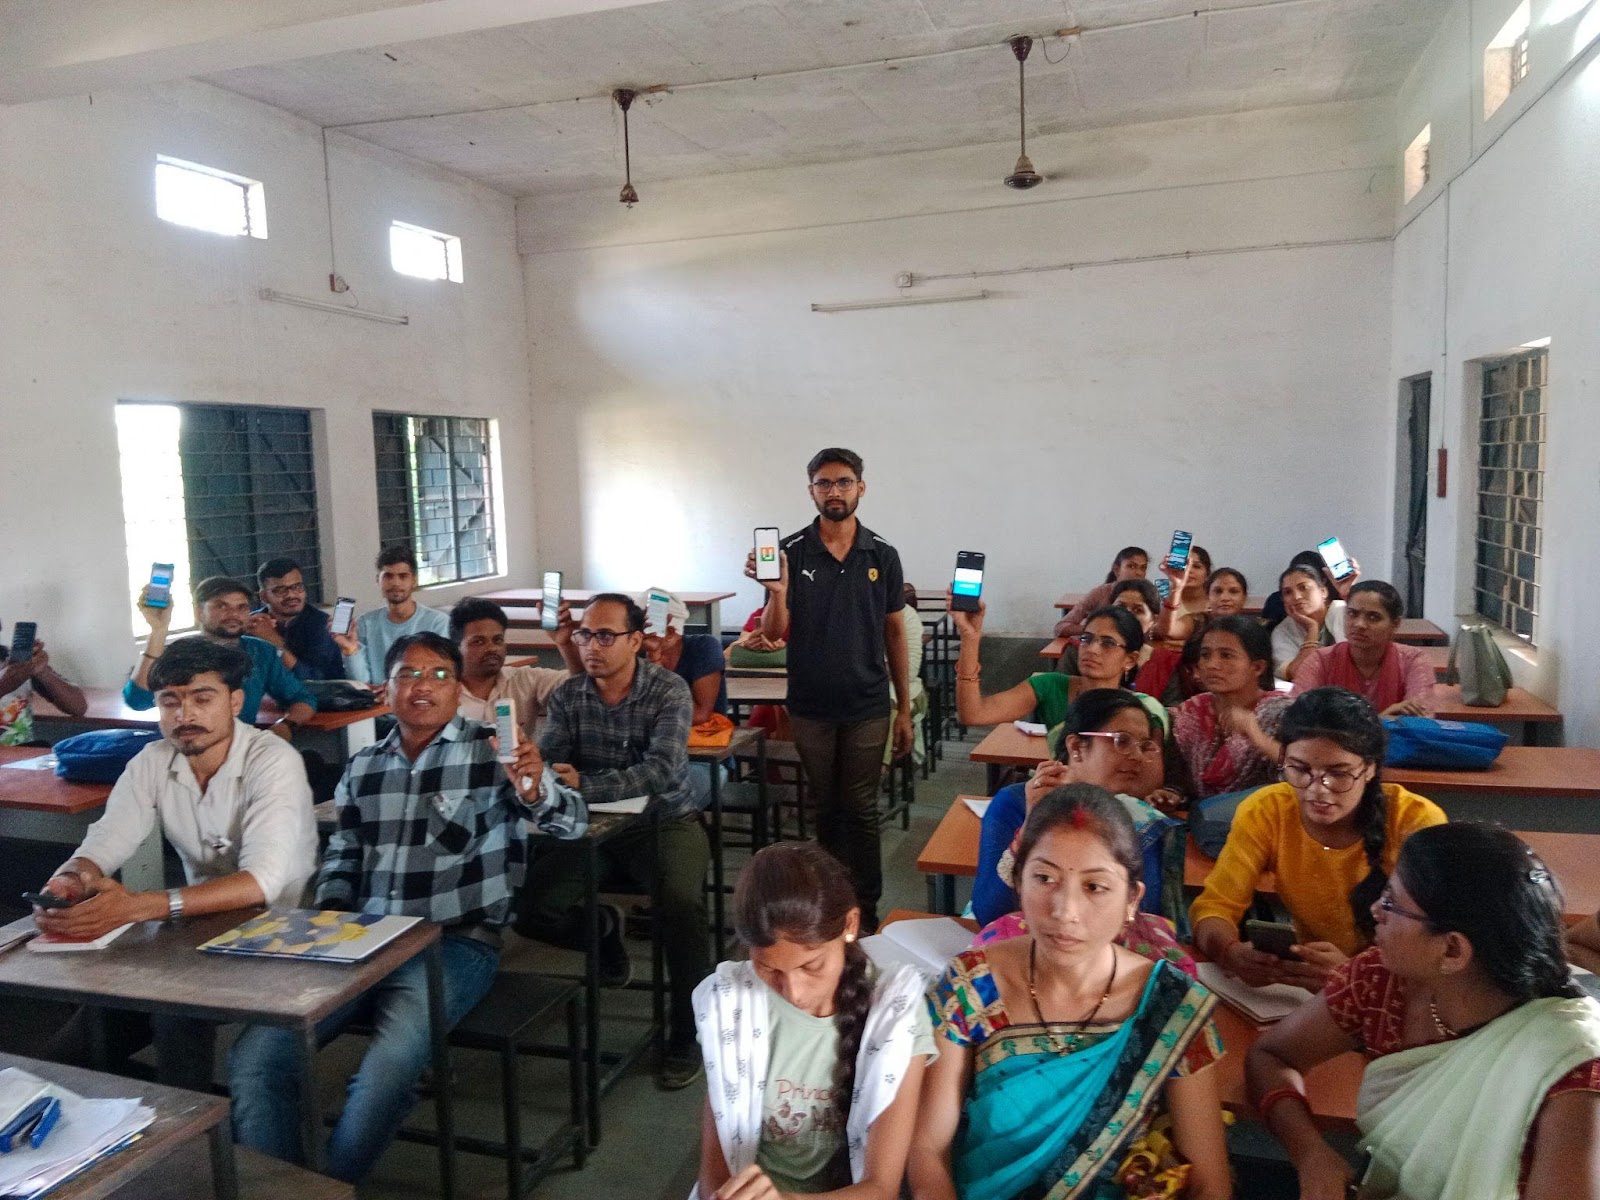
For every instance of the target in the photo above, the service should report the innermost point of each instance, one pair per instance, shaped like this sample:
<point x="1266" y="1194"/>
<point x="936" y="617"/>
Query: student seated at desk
<point x="429" y="825"/>
<point x="1330" y="832"/>
<point x="1189" y="600"/>
<point x="1108" y="656"/>
<point x="1138" y="596"/>
<point x="222" y="607"/>
<point x="1058" y="1049"/>
<point x="1315" y="616"/>
<point x="233" y="803"/>
<point x="18" y="682"/>
<point x="620" y="730"/>
<point x="1132" y="562"/>
<point x="297" y="629"/>
<point x="1483" y="1058"/>
<point x="814" y="1057"/>
<point x="478" y="628"/>
<point x="1396" y="680"/>
<point x="1272" y="610"/>
<point x="695" y="658"/>
<point x="1227" y="591"/>
<point x="1225" y="735"/>
<point x="366" y="646"/>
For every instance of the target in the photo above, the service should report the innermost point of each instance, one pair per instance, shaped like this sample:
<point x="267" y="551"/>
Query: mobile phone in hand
<point x="1178" y="555"/>
<point x="1340" y="564"/>
<point x="46" y="900"/>
<point x="966" y="586"/>
<point x="22" y="637"/>
<point x="1272" y="937"/>
<point x="158" y="592"/>
<point x="768" y="568"/>
<point x="343" y="615"/>
<point x="550" y="601"/>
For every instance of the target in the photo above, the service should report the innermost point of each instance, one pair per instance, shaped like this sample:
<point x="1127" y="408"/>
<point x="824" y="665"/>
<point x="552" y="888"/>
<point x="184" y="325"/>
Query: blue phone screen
<point x="967" y="582"/>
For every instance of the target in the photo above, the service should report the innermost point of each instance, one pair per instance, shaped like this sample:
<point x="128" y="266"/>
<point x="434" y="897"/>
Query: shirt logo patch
<point x="810" y="574"/>
<point x="872" y="574"/>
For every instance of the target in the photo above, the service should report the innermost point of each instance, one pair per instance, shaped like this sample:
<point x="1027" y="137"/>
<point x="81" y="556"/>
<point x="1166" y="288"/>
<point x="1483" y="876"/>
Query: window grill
<point x="436" y="492"/>
<point x="1510" y="530"/>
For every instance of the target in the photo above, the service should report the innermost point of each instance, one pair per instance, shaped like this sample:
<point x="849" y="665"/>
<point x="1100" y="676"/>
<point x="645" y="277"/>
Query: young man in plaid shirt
<point x="430" y="825"/>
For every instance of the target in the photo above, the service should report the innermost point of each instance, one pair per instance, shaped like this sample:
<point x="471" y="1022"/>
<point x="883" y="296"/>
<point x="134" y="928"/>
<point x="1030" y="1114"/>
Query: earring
<point x="849" y="937"/>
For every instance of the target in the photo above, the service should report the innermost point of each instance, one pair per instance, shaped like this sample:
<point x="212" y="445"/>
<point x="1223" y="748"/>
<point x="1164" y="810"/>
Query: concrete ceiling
<point x="522" y="108"/>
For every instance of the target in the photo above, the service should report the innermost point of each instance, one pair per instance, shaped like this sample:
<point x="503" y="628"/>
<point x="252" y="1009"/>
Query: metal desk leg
<point x="717" y="901"/>
<point x="658" y="958"/>
<point x="714" y="618"/>
<point x="947" y="894"/>
<point x="933" y="893"/>
<point x="991" y="774"/>
<point x="442" y="1092"/>
<point x="224" y="1171"/>
<point x="310" y="1108"/>
<point x="763" y="798"/>
<point x="591" y="981"/>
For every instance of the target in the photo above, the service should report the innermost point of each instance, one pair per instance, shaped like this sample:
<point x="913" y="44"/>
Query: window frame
<point x="449" y="249"/>
<point x="420" y="529"/>
<point x="252" y="195"/>
<point x="1509" y="490"/>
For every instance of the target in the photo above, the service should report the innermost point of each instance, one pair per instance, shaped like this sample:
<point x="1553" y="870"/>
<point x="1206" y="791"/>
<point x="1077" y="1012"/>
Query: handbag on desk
<point x="100" y="755"/>
<point x="1478" y="666"/>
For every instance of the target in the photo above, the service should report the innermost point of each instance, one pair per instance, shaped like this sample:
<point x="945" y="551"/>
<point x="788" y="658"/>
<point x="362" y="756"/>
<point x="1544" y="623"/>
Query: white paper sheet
<point x="978" y="807"/>
<point x="1263" y="1005"/>
<point x="632" y="805"/>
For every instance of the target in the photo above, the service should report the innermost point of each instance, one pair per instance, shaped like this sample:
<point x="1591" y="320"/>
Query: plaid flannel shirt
<point x="441" y="838"/>
<point x="638" y="747"/>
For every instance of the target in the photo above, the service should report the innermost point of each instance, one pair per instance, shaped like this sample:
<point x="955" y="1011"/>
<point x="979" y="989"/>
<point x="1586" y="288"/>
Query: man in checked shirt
<point x="430" y="825"/>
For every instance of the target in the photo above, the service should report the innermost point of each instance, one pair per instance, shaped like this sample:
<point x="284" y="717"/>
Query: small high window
<point x="424" y="253"/>
<point x="1505" y="60"/>
<point x="1416" y="163"/>
<point x="203" y="197"/>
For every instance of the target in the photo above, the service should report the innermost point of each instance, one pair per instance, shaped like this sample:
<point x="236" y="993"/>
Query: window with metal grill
<point x="436" y="492"/>
<point x="217" y="489"/>
<point x="1510" y="533"/>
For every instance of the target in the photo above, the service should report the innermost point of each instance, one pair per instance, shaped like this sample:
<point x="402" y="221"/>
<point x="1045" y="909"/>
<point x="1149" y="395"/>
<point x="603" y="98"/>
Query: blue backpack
<point x="100" y="755"/>
<point x="1442" y="745"/>
<point x="1211" y="819"/>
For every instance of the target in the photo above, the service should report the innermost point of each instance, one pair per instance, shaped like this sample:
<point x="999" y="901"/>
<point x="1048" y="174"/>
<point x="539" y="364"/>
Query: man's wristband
<point x="174" y="903"/>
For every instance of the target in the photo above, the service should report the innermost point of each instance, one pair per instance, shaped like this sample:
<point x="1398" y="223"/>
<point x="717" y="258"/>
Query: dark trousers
<point x="553" y="899"/>
<point x="843" y="766"/>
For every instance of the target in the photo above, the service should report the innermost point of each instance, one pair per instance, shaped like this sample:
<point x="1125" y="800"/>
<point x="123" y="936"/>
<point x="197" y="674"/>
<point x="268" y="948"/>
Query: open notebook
<point x="927" y="943"/>
<point x="1263" y="1005"/>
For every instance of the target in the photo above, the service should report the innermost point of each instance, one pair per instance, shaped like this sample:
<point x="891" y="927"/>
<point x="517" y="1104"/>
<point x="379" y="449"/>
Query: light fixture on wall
<point x="1022" y="175"/>
<point x="624" y="98"/>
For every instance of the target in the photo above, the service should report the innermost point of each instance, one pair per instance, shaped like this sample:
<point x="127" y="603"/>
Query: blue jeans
<point x="264" y="1066"/>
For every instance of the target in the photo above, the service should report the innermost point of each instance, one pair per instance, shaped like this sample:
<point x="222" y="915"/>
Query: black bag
<point x="342" y="695"/>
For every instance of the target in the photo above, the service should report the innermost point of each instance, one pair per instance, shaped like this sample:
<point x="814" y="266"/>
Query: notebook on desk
<point x="49" y="943"/>
<point x="311" y="934"/>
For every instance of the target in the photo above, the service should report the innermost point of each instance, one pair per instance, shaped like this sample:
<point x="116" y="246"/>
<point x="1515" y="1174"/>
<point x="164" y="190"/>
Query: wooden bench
<point x="951" y="850"/>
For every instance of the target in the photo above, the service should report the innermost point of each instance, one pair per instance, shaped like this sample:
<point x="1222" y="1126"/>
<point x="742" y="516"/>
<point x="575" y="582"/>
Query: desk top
<point x="1053" y="650"/>
<point x="534" y="597"/>
<point x="953" y="847"/>
<point x="154" y="967"/>
<point x="181" y="1117"/>
<point x="1519" y="706"/>
<point x="1009" y="746"/>
<point x="745" y="740"/>
<point x="758" y="689"/>
<point x="1418" y="631"/>
<point x="1561" y="771"/>
<point x="43" y="791"/>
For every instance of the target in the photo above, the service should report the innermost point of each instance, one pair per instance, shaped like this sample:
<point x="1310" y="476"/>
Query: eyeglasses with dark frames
<point x="606" y="637"/>
<point x="1335" y="780"/>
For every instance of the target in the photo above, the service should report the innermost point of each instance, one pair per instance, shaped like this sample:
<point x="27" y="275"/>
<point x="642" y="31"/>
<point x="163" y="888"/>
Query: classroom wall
<point x="1501" y="249"/>
<point x="102" y="301"/>
<point x="680" y="381"/>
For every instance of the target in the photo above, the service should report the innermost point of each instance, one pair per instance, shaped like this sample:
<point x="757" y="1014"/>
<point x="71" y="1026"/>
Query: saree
<point x="1449" y="1119"/>
<point x="1043" y="1123"/>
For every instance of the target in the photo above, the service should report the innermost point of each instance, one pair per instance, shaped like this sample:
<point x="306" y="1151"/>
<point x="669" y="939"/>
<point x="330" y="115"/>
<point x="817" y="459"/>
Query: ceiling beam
<point x="55" y="48"/>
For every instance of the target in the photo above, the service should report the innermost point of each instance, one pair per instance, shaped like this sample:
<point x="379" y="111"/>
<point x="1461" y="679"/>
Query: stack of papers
<point x="633" y="805"/>
<point x="928" y="944"/>
<point x="1031" y="728"/>
<point x="87" y="1131"/>
<point x="1263" y="1005"/>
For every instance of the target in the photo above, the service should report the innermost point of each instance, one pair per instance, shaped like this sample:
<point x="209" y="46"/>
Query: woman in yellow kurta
<point x="1330" y="833"/>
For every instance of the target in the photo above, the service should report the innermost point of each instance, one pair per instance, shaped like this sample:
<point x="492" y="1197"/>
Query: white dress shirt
<point x="254" y="815"/>
<point x="529" y="686"/>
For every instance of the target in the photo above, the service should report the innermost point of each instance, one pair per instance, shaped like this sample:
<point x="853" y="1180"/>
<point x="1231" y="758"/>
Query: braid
<point x="1373" y="818"/>
<point x="852" y="1001"/>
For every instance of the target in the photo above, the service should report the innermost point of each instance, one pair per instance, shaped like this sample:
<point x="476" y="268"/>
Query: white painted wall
<point x="102" y="302"/>
<point x="680" y="382"/>
<point x="1503" y="248"/>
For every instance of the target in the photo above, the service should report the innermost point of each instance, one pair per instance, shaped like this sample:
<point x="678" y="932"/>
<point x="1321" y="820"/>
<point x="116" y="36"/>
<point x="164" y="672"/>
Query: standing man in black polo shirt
<point x="838" y="602"/>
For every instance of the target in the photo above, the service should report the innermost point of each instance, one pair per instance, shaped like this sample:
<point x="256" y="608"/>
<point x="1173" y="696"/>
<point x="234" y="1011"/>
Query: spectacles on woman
<point x="1337" y="780"/>
<point x="1088" y="640"/>
<point x="1386" y="902"/>
<point x="606" y="637"/>
<point x="1126" y="743"/>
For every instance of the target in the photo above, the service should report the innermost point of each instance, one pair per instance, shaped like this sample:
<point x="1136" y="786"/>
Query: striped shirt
<point x="440" y="838"/>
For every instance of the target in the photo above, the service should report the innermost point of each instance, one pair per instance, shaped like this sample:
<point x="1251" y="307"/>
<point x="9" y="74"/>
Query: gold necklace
<point x="1075" y="1039"/>
<point x="1444" y="1031"/>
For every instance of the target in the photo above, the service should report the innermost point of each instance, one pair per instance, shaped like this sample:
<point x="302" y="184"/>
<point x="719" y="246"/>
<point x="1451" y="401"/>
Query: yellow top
<point x="1313" y="881"/>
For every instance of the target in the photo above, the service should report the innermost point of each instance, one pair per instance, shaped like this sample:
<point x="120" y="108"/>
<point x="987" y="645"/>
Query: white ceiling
<point x="500" y="105"/>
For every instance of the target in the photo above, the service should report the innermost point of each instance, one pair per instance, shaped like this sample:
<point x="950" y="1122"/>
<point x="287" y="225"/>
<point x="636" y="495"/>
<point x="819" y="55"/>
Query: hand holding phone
<point x="46" y="900"/>
<point x="1340" y="565"/>
<point x="768" y="568"/>
<point x="1276" y="938"/>
<point x="505" y="729"/>
<point x="344" y="612"/>
<point x="655" y="614"/>
<point x="550" y="601"/>
<point x="158" y="592"/>
<point x="1178" y="555"/>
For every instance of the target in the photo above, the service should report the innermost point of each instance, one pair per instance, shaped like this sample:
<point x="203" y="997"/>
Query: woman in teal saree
<point x="1071" y="1059"/>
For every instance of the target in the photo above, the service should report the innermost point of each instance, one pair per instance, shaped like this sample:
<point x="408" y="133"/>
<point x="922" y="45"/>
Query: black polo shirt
<point x="837" y="610"/>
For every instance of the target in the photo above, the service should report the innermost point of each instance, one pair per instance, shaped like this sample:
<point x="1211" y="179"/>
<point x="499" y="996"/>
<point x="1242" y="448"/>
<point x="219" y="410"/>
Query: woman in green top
<point x="814" y="1057"/>
<point x="1108" y="656"/>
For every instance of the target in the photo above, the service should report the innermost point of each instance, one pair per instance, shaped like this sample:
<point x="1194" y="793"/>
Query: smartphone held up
<point x="966" y="585"/>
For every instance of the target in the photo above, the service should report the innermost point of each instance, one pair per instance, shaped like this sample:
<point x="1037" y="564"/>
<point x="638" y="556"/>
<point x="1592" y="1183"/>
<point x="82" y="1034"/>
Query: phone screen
<point x="1164" y="588"/>
<point x="159" y="592"/>
<point x="1178" y="556"/>
<point x="343" y="611"/>
<point x="1338" y="561"/>
<point x="22" y="641"/>
<point x="655" y="612"/>
<point x="966" y="585"/>
<point x="505" y="729"/>
<point x="767" y="565"/>
<point x="550" y="601"/>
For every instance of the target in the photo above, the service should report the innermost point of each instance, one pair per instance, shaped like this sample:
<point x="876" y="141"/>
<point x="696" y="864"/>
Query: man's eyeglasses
<point x="287" y="589"/>
<point x="825" y="486"/>
<point x="1088" y="641"/>
<point x="1336" y="781"/>
<point x="1386" y="902"/>
<point x="606" y="637"/>
<point x="1126" y="743"/>
<point x="412" y="674"/>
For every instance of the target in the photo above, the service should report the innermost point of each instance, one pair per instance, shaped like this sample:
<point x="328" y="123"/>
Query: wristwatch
<point x="174" y="903"/>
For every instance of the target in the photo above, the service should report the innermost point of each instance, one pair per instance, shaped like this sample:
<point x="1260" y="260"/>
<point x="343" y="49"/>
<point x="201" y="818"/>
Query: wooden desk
<point x="182" y="1117"/>
<point x="911" y="914"/>
<point x="952" y="850"/>
<point x="1559" y="771"/>
<point x="1417" y="631"/>
<point x="1053" y="650"/>
<point x="1070" y="600"/>
<point x="38" y="806"/>
<point x="155" y="968"/>
<point x="1438" y="657"/>
<point x="709" y="603"/>
<point x="1331" y="1087"/>
<point x="746" y="691"/>
<point x="1520" y="708"/>
<point x="1007" y="746"/>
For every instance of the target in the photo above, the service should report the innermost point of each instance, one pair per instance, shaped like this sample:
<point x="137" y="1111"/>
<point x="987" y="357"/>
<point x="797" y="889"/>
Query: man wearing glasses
<point x="620" y="730"/>
<point x="298" y="630"/>
<point x="838" y="601"/>
<point x="429" y="825"/>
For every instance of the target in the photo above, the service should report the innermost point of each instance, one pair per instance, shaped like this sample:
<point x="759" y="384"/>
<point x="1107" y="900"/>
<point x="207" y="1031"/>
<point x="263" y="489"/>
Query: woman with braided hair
<point x="1330" y="832"/>
<point x="814" y="1057"/>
